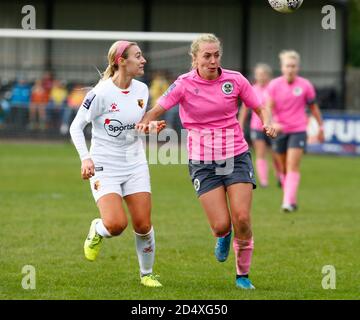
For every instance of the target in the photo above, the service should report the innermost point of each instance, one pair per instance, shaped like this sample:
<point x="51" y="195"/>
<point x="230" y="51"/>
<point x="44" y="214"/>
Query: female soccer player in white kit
<point x="219" y="161"/>
<point x="288" y="97"/>
<point x="116" y="164"/>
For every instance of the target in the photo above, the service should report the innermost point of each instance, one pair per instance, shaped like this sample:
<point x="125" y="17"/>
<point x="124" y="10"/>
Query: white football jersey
<point x="113" y="112"/>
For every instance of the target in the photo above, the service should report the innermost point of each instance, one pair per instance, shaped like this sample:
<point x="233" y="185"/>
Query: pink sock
<point x="291" y="185"/>
<point x="243" y="253"/>
<point x="262" y="169"/>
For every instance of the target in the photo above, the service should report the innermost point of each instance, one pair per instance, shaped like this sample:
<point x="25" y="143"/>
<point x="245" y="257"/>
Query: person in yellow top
<point x="58" y="94"/>
<point x="158" y="86"/>
<point x="57" y="102"/>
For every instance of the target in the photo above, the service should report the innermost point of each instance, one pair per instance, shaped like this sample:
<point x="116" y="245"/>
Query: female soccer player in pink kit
<point x="288" y="96"/>
<point x="219" y="161"/>
<point x="260" y="141"/>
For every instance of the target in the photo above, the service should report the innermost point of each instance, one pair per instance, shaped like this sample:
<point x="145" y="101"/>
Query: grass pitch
<point x="46" y="210"/>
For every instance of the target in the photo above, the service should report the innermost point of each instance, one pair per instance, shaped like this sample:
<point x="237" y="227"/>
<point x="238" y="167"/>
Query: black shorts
<point x="260" y="135"/>
<point x="285" y="141"/>
<point x="208" y="175"/>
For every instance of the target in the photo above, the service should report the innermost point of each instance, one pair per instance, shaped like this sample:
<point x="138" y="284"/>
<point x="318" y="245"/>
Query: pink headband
<point x="122" y="46"/>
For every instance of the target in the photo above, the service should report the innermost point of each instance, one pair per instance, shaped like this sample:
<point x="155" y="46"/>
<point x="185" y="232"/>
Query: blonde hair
<point x="195" y="46"/>
<point x="264" y="67"/>
<point x="112" y="64"/>
<point x="292" y="54"/>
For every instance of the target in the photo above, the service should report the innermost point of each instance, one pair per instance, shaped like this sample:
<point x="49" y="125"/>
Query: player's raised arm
<point x="168" y="100"/>
<point x="148" y="123"/>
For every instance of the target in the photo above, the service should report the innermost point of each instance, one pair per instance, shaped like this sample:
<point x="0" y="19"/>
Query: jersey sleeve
<point x="172" y="95"/>
<point x="88" y="111"/>
<point x="310" y="94"/>
<point x="247" y="94"/>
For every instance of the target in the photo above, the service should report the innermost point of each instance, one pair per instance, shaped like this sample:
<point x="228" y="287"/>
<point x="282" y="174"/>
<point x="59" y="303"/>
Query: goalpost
<point x="75" y="55"/>
<point x="77" y="58"/>
<point x="98" y="35"/>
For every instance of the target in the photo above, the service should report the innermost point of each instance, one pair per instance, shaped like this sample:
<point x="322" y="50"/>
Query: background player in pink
<point x="288" y="97"/>
<point x="260" y="142"/>
<point x="219" y="161"/>
<point x="116" y="164"/>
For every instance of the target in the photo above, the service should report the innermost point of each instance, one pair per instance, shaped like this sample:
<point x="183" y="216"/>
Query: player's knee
<point x="293" y="168"/>
<point x="244" y="228"/>
<point x="142" y="227"/>
<point x="220" y="229"/>
<point x="242" y="224"/>
<point x="115" y="228"/>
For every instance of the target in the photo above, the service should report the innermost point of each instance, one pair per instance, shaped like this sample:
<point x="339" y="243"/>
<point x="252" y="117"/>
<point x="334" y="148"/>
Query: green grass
<point x="46" y="210"/>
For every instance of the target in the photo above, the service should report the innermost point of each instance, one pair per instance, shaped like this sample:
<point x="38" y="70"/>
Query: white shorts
<point x="134" y="182"/>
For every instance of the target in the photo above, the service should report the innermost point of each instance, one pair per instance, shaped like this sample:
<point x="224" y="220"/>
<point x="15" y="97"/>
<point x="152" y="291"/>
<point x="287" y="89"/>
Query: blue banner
<point x="342" y="135"/>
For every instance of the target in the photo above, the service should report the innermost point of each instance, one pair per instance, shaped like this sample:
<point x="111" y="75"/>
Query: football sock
<point x="291" y="185"/>
<point x="101" y="229"/>
<point x="145" y="248"/>
<point x="243" y="254"/>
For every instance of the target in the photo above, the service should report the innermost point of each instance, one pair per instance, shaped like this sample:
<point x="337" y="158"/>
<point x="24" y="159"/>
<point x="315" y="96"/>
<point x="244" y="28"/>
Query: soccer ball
<point x="285" y="6"/>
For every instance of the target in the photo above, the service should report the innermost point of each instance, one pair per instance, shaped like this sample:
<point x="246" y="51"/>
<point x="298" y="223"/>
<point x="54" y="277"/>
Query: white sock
<point x="145" y="248"/>
<point x="101" y="230"/>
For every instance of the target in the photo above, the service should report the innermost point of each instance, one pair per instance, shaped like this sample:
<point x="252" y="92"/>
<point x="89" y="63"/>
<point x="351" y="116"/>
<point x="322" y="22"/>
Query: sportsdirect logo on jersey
<point x="114" y="127"/>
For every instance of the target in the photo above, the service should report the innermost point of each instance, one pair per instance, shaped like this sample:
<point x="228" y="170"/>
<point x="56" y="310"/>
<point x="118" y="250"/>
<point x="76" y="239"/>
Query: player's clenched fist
<point x="270" y="131"/>
<point x="152" y="127"/>
<point x="87" y="169"/>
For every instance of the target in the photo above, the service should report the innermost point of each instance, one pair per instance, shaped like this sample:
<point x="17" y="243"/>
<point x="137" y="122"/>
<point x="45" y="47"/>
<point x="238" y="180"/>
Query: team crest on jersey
<point x="297" y="91"/>
<point x="227" y="88"/>
<point x="97" y="185"/>
<point x="140" y="103"/>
